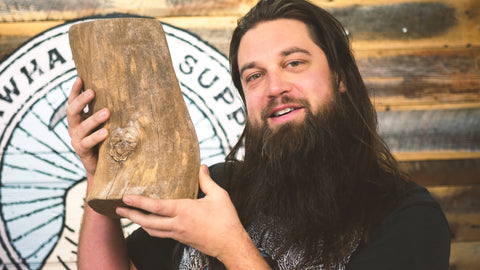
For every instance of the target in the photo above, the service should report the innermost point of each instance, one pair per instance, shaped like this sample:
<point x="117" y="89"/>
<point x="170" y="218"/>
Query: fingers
<point x="156" y="216"/>
<point x="166" y="208"/>
<point x="83" y="133"/>
<point x="76" y="89"/>
<point x="207" y="185"/>
<point x="74" y="107"/>
<point x="93" y="139"/>
<point x="81" y="130"/>
<point x="77" y="100"/>
<point x="91" y="123"/>
<point x="155" y="225"/>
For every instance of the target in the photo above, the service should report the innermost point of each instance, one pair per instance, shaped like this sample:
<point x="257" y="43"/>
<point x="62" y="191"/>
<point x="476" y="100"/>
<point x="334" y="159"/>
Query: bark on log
<point x="152" y="148"/>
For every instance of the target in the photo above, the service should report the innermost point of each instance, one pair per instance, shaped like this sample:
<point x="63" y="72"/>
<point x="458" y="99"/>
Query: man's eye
<point x="294" y="63"/>
<point x="253" y="77"/>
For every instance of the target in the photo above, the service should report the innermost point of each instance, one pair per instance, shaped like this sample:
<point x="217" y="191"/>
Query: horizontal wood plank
<point x="464" y="256"/>
<point x="431" y="130"/>
<point x="18" y="10"/>
<point x="409" y="78"/>
<point x="445" y="23"/>
<point x="449" y="171"/>
<point x="462" y="209"/>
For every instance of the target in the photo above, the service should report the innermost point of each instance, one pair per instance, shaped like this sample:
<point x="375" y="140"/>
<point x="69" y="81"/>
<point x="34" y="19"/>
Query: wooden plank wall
<point x="421" y="58"/>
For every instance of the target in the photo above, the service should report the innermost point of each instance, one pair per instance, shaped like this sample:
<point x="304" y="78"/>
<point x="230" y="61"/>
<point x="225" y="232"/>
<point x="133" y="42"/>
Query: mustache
<point x="284" y="99"/>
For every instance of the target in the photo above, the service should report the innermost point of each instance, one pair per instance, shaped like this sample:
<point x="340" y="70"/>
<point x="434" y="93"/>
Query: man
<point x="316" y="189"/>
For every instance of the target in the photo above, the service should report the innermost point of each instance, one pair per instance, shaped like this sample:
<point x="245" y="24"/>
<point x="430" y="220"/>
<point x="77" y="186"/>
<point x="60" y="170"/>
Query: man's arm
<point x="101" y="243"/>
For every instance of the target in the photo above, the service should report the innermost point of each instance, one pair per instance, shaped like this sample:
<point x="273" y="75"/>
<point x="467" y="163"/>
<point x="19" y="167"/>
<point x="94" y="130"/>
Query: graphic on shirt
<point x="42" y="181"/>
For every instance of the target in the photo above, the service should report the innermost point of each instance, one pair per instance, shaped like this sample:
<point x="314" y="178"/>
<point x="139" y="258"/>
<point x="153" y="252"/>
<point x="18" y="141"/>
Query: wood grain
<point x="409" y="78"/>
<point x="464" y="256"/>
<point x="152" y="148"/>
<point x="449" y="171"/>
<point x="462" y="209"/>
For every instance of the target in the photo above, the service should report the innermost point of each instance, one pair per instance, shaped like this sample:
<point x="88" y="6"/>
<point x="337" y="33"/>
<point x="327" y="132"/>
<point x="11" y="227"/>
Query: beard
<point x="300" y="164"/>
<point x="299" y="175"/>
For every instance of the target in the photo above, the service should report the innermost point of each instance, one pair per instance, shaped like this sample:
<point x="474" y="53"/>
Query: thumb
<point x="207" y="185"/>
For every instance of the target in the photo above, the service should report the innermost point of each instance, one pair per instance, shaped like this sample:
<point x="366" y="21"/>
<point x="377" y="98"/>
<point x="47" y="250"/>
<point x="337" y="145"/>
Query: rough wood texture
<point x="448" y="171"/>
<point x="152" y="148"/>
<point x="464" y="256"/>
<point x="462" y="209"/>
<point x="409" y="79"/>
<point x="431" y="130"/>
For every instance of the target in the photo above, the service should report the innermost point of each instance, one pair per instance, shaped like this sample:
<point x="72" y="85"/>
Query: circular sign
<point x="38" y="167"/>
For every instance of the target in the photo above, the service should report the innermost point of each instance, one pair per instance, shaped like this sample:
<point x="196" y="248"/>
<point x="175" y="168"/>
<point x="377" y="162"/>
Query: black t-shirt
<point x="414" y="236"/>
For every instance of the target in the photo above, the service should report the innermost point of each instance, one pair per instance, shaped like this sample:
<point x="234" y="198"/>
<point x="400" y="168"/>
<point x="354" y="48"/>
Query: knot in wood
<point x="123" y="142"/>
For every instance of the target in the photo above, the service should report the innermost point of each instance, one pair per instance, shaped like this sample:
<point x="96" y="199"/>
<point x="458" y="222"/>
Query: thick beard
<point x="298" y="173"/>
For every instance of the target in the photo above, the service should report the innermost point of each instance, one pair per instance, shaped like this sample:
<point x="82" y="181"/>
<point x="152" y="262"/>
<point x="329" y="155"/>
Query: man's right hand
<point x="101" y="242"/>
<point x="83" y="133"/>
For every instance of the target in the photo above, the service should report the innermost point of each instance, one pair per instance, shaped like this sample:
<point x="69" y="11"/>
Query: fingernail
<point x="119" y="211"/>
<point x="127" y="199"/>
<point x="102" y="132"/>
<point x="205" y="169"/>
<point x="103" y="113"/>
<point x="88" y="94"/>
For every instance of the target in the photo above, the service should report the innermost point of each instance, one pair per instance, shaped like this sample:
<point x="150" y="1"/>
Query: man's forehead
<point x="279" y="35"/>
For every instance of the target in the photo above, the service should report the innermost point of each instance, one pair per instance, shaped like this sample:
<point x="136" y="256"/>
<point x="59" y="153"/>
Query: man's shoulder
<point x="223" y="170"/>
<point x="415" y="195"/>
<point x="416" y="209"/>
<point x="415" y="235"/>
<point x="217" y="172"/>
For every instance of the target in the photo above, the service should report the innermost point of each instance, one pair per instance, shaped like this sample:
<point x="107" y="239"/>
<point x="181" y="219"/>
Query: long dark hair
<point x="329" y="34"/>
<point x="380" y="182"/>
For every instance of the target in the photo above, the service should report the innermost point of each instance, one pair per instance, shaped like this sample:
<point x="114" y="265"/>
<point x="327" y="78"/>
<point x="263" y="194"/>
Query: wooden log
<point x="152" y="148"/>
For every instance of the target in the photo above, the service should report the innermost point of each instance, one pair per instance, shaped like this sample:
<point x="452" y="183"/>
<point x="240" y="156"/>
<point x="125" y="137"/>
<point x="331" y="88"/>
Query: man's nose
<point x="278" y="85"/>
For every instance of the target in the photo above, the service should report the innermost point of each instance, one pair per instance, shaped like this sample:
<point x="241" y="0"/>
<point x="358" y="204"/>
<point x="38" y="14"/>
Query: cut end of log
<point x="106" y="207"/>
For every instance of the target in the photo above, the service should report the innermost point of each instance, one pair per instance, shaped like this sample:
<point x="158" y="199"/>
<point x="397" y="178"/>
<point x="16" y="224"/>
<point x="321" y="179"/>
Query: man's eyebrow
<point x="247" y="66"/>
<point x="295" y="50"/>
<point x="286" y="52"/>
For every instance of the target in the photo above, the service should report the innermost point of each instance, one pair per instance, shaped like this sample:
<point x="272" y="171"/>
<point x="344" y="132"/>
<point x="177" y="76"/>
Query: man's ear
<point x="339" y="81"/>
<point x="341" y="87"/>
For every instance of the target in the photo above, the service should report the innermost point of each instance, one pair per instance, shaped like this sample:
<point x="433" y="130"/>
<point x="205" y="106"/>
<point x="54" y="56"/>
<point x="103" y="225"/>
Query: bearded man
<point x="316" y="189"/>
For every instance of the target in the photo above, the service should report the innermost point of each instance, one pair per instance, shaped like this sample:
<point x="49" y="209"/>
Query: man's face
<point x="278" y="59"/>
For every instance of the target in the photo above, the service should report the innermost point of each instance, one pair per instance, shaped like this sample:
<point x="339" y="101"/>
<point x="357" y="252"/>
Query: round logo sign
<point x="42" y="180"/>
